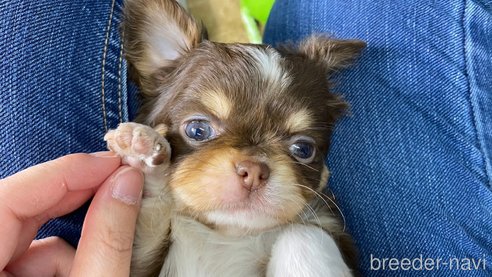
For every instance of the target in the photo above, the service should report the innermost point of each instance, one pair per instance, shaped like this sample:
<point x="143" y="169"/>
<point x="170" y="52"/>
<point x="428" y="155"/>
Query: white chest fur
<point x="290" y="251"/>
<point x="198" y="251"/>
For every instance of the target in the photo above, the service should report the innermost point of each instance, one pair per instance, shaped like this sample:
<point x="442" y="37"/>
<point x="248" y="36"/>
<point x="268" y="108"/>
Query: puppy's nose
<point x="253" y="174"/>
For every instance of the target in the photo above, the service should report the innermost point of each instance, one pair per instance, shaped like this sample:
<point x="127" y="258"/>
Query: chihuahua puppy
<point x="239" y="194"/>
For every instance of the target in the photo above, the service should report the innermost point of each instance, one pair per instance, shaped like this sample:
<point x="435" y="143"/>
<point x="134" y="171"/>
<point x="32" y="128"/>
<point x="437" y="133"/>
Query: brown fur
<point x="254" y="128"/>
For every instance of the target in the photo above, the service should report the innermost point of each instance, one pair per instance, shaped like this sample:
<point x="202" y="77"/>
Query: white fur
<point x="291" y="251"/>
<point x="198" y="251"/>
<point x="242" y="219"/>
<point x="167" y="42"/>
<point x="269" y="63"/>
<point x="163" y="36"/>
<point x="302" y="250"/>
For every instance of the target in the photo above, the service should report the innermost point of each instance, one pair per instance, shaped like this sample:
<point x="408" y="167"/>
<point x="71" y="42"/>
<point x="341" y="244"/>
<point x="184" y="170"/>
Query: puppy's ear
<point x="337" y="107"/>
<point x="156" y="33"/>
<point x="332" y="54"/>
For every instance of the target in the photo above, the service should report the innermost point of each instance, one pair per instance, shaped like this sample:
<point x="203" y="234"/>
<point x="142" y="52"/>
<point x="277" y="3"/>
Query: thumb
<point x="105" y="246"/>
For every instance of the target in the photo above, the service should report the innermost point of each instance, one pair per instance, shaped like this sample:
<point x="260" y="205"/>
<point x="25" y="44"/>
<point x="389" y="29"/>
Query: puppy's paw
<point x="139" y="145"/>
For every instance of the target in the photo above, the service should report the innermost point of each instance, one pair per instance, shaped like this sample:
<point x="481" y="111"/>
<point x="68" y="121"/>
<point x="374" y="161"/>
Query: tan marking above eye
<point x="217" y="103"/>
<point x="298" y="121"/>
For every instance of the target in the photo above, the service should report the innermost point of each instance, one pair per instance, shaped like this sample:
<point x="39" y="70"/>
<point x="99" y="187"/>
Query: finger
<point x="46" y="257"/>
<point x="32" y="191"/>
<point x="29" y="198"/>
<point x="107" y="235"/>
<point x="31" y="226"/>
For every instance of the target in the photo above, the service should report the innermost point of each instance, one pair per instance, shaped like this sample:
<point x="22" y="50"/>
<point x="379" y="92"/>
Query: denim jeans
<point x="64" y="83"/>
<point x="411" y="166"/>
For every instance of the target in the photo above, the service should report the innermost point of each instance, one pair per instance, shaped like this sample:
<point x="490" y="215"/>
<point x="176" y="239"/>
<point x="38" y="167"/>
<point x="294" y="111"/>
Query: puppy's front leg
<point x="304" y="250"/>
<point x="145" y="148"/>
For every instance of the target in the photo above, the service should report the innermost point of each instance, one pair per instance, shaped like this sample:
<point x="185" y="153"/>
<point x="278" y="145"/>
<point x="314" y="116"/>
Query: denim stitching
<point x="120" y="115"/>
<point x="103" y="71"/>
<point x="470" y="98"/>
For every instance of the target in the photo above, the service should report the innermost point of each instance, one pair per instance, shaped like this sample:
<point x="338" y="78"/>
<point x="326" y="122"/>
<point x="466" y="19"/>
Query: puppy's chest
<point x="197" y="251"/>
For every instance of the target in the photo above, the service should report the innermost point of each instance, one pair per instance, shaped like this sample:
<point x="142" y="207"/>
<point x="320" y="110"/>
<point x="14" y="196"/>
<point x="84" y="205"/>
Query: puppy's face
<point x="249" y="124"/>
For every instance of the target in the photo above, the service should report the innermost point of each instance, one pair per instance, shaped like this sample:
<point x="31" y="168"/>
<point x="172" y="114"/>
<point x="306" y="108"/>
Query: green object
<point x="253" y="11"/>
<point x="258" y="9"/>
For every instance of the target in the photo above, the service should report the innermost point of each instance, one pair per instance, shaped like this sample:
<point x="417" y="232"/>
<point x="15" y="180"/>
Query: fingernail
<point x="128" y="185"/>
<point x="104" y="154"/>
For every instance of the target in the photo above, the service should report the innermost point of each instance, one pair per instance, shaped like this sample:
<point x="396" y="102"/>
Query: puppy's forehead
<point x="237" y="67"/>
<point x="247" y="73"/>
<point x="249" y="83"/>
<point x="243" y="84"/>
<point x="271" y="67"/>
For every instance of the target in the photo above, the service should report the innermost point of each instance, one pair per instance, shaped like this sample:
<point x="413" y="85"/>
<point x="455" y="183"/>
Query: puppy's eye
<point x="199" y="130"/>
<point x="304" y="151"/>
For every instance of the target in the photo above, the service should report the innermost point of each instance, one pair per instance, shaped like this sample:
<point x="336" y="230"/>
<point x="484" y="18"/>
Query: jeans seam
<point x="103" y="65"/>
<point x="470" y="98"/>
<point x="120" y="62"/>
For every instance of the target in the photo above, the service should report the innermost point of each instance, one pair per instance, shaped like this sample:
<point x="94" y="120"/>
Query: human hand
<point x="31" y="197"/>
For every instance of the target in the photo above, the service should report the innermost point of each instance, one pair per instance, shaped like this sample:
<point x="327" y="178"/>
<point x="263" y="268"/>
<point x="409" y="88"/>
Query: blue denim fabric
<point x="63" y="84"/>
<point x="411" y="167"/>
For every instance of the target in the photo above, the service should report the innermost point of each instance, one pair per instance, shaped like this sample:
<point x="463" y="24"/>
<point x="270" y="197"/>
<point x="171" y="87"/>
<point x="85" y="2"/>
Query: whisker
<point x="303" y="164"/>
<point x="316" y="218"/>
<point x="313" y="212"/>
<point x="320" y="195"/>
<point x="303" y="214"/>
